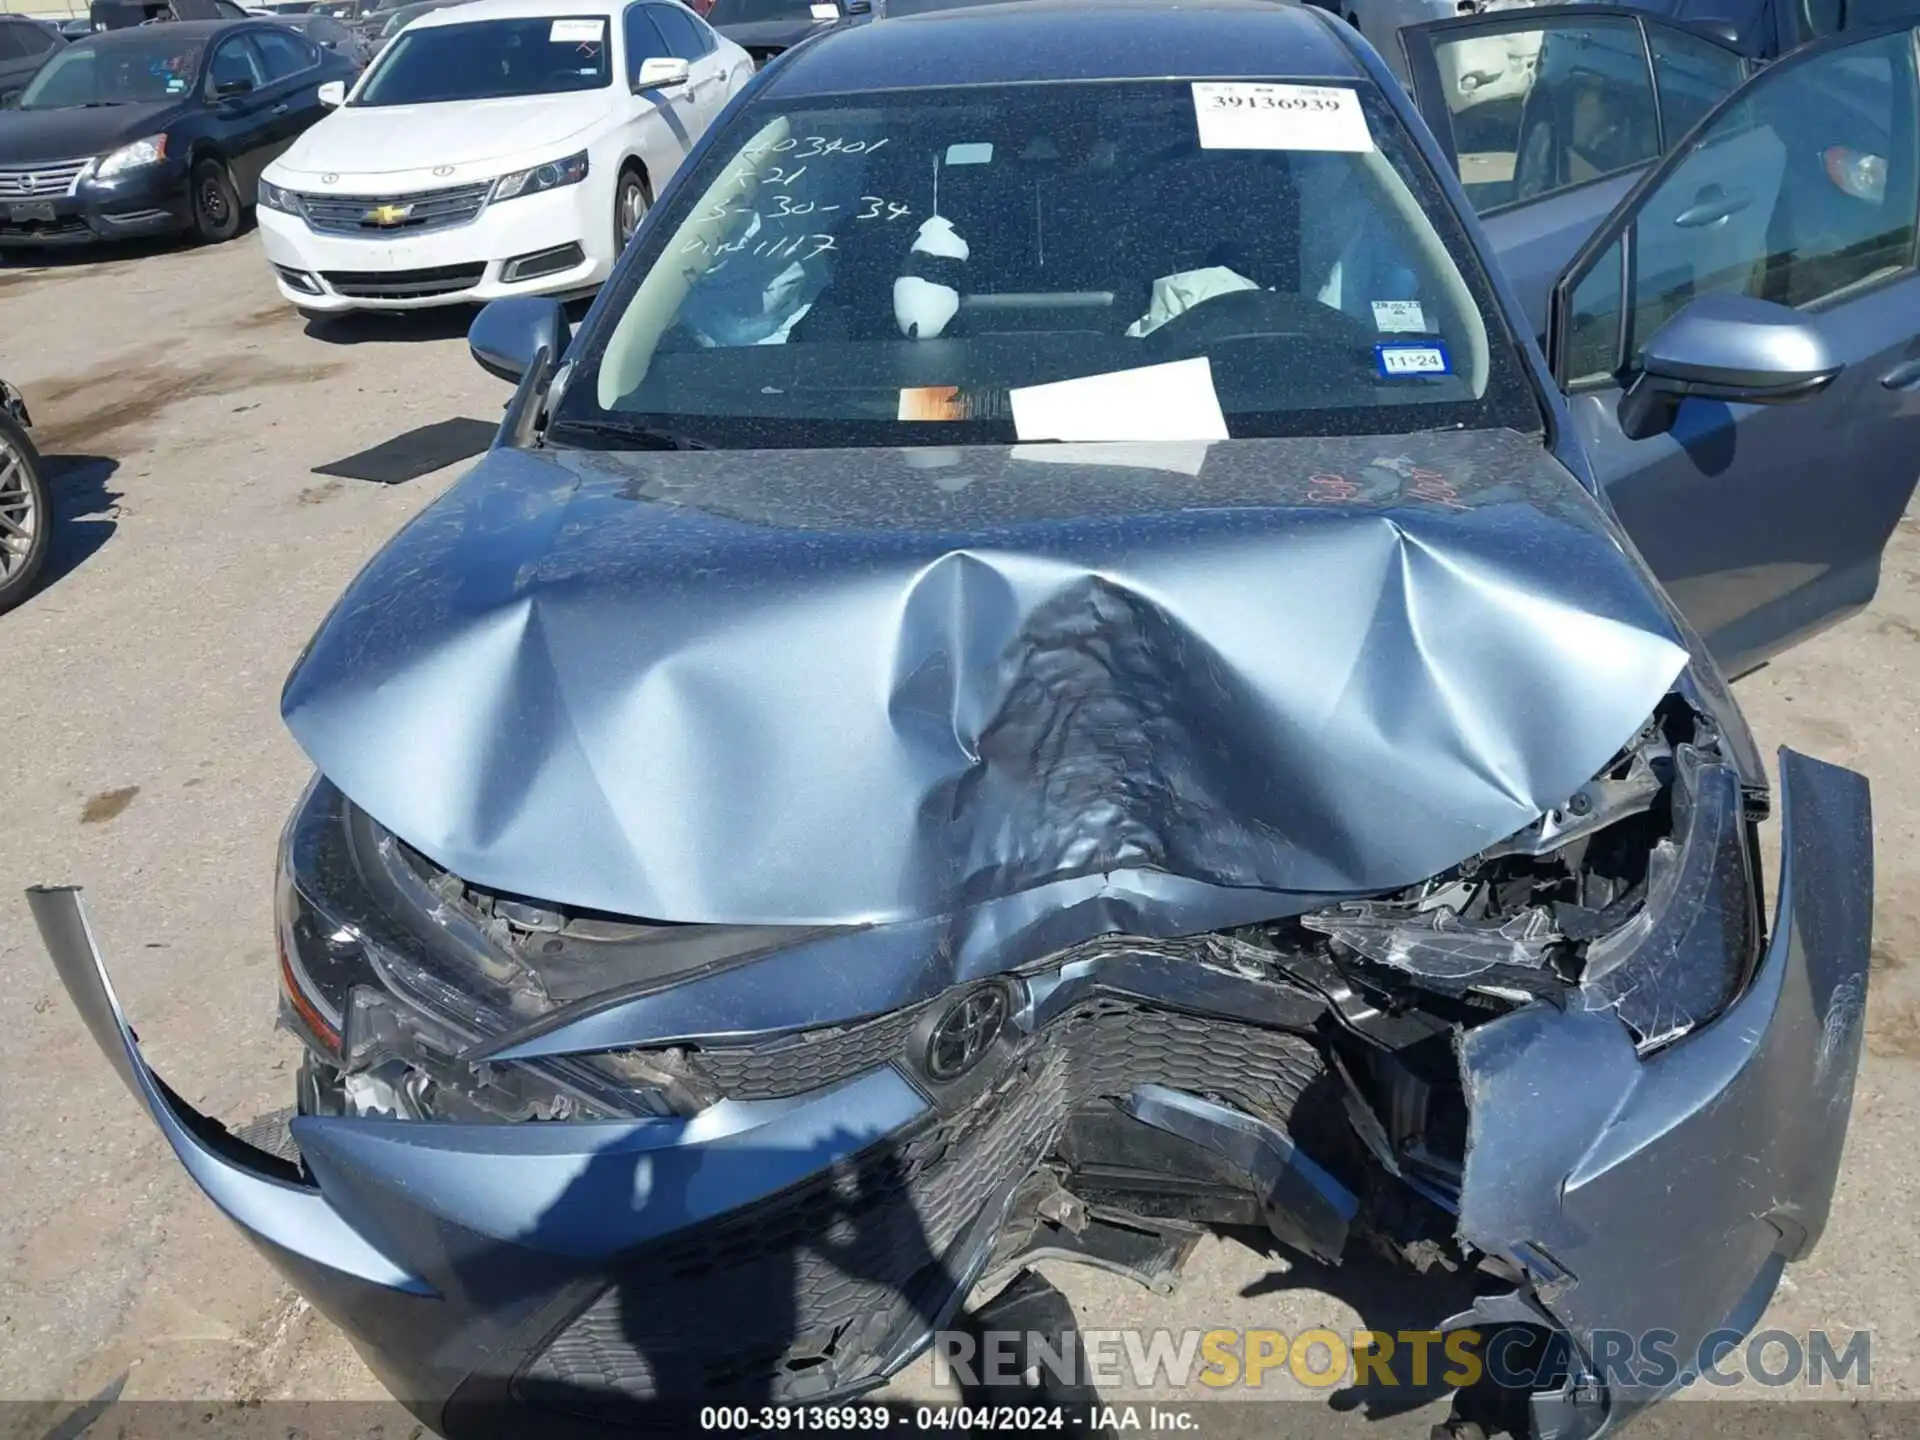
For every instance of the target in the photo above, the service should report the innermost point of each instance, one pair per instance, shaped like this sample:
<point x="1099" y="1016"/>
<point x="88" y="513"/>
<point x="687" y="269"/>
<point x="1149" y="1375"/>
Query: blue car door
<point x="1766" y="522"/>
<point x="1551" y="114"/>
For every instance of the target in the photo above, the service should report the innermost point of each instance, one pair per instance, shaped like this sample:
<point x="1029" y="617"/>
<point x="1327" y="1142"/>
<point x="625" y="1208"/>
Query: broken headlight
<point x="387" y="1029"/>
<point x="1637" y="894"/>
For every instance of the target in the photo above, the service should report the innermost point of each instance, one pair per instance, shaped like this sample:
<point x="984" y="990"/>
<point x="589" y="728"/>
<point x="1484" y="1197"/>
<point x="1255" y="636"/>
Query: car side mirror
<point x="662" y="73"/>
<point x="507" y="336"/>
<point x="233" y="89"/>
<point x="1731" y="348"/>
<point x="333" y="94"/>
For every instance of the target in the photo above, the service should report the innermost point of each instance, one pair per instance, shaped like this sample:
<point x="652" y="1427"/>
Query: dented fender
<point x="1666" y="1193"/>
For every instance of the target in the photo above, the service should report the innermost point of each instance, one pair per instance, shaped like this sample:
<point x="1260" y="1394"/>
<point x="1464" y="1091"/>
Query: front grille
<point x="796" y="1064"/>
<point x="29" y="182"/>
<point x="426" y="211"/>
<point x="403" y="284"/>
<point x="71" y="226"/>
<point x="800" y="1295"/>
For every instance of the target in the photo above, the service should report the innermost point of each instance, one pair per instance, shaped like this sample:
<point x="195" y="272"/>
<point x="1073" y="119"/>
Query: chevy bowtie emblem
<point x="389" y="214"/>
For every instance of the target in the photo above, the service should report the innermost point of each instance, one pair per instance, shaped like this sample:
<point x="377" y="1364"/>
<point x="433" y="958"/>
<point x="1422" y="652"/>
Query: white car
<point x="501" y="147"/>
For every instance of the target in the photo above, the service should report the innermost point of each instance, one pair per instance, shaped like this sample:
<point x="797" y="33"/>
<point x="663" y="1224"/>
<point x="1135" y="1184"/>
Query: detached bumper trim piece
<point x="262" y="1197"/>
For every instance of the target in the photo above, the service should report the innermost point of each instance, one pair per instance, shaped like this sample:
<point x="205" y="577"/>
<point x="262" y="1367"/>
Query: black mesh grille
<point x="799" y="1063"/>
<point x="801" y="1295"/>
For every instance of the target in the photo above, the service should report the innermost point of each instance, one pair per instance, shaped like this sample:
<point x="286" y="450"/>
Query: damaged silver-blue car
<point x="1052" y="668"/>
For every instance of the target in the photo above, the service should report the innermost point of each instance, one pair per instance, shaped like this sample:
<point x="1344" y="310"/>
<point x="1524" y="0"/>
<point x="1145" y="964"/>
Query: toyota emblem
<point x="965" y="1033"/>
<point x="443" y="170"/>
<point x="329" y="179"/>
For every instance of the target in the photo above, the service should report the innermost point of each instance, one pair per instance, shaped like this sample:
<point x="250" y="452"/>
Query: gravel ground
<point x="184" y="408"/>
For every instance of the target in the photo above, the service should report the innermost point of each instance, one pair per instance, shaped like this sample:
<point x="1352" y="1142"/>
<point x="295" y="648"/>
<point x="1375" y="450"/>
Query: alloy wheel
<point x="633" y="207"/>
<point x="19" y="514"/>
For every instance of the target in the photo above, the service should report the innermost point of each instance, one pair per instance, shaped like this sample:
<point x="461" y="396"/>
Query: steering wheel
<point x="1256" y="314"/>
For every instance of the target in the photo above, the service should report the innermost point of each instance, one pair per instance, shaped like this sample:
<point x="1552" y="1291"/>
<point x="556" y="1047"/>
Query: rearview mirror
<point x="508" y="335"/>
<point x="1730" y="348"/>
<point x="333" y="94"/>
<point x="661" y="73"/>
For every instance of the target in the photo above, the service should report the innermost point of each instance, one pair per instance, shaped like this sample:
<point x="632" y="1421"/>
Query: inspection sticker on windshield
<point x="1239" y="116"/>
<point x="1399" y="317"/>
<point x="1398" y="361"/>
<point x="577" y="32"/>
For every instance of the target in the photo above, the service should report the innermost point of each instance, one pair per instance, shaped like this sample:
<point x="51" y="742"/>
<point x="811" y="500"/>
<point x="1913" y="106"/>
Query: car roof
<point x="474" y="10"/>
<point x="1060" y="40"/>
<point x="183" y="30"/>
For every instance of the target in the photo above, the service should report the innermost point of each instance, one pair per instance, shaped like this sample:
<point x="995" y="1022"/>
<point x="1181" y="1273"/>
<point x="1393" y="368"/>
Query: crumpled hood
<point x="834" y="687"/>
<point x="388" y="139"/>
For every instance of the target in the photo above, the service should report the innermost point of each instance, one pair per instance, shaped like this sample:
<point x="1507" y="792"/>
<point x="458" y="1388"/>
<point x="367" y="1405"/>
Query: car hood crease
<point x="847" y="687"/>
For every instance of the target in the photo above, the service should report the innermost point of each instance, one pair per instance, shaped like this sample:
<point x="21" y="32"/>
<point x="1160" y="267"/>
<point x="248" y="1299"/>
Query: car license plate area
<point x="27" y="211"/>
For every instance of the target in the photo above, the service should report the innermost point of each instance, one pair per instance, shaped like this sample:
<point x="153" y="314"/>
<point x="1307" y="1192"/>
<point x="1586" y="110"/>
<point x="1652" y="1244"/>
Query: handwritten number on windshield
<point x="805" y="148"/>
<point x="877" y="209"/>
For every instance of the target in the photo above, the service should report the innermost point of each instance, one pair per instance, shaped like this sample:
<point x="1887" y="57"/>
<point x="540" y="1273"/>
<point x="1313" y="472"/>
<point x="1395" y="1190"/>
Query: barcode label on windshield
<point x="1239" y="116"/>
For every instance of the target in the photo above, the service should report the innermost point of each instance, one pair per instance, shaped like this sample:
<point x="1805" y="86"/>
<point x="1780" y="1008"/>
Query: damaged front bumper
<point x="802" y="1244"/>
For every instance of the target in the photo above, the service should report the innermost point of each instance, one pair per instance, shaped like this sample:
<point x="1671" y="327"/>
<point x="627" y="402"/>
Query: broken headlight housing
<point x="1638" y="894"/>
<point x="388" y="998"/>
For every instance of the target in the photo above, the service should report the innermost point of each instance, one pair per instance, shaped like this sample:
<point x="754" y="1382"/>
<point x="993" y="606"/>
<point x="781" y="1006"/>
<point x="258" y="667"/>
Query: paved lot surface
<point x="185" y="408"/>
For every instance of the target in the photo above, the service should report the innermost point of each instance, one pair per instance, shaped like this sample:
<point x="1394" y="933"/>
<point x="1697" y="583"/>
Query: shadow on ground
<point x="84" y="507"/>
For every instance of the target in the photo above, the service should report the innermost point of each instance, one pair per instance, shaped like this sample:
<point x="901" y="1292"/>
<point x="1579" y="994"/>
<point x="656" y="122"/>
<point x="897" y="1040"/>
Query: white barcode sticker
<point x="1233" y="115"/>
<point x="1399" y="317"/>
<point x="577" y="32"/>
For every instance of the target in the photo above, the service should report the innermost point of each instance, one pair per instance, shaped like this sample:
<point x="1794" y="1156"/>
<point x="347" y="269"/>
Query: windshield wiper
<point x="630" y="435"/>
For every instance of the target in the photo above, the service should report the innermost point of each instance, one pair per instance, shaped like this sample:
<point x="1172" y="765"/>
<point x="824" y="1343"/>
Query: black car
<point x="156" y="130"/>
<point x="764" y="28"/>
<point x="24" y="46"/>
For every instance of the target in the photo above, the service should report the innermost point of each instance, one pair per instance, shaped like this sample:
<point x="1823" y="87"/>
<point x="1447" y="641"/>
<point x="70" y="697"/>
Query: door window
<point x="644" y="41"/>
<point x="33" y="40"/>
<point x="1536" y="109"/>
<point x="677" y="26"/>
<point x="11" y="46"/>
<point x="284" y="53"/>
<point x="1800" y="192"/>
<point x="1692" y="75"/>
<point x="233" y="62"/>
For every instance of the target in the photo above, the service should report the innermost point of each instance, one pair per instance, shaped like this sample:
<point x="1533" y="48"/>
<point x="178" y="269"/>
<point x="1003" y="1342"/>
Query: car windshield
<point x="907" y="267"/>
<point x="491" y="60"/>
<point x="750" y="12"/>
<point x="133" y="70"/>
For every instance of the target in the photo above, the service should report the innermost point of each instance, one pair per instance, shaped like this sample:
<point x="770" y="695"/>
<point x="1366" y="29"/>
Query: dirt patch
<point x="84" y="412"/>
<point x="319" y="494"/>
<point x="107" y="804"/>
<point x="1896" y="1031"/>
<point x="1885" y="958"/>
<point x="1895" y="626"/>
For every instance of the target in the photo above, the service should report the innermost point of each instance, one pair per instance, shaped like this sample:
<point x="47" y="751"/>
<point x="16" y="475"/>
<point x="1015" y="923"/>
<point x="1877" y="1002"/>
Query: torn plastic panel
<point x="582" y="672"/>
<point x="1664" y="1192"/>
<point x="1637" y="895"/>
